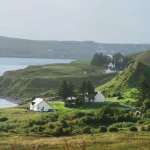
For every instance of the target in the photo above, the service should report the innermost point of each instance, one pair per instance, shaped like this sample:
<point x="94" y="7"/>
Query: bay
<point x="4" y="103"/>
<point x="8" y="64"/>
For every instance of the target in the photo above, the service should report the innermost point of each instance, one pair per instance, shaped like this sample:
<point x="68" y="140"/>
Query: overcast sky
<point x="107" y="21"/>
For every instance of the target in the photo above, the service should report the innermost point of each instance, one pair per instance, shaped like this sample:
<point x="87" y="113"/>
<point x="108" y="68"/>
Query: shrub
<point x="86" y="130"/>
<point x="58" y="131"/>
<point x="64" y="123"/>
<point x="51" y="126"/>
<point x="3" y="119"/>
<point x="120" y="97"/>
<point x="102" y="129"/>
<point x="112" y="129"/>
<point x="147" y="128"/>
<point x="67" y="131"/>
<point x="40" y="122"/>
<point x="142" y="128"/>
<point x="88" y="119"/>
<point x="123" y="124"/>
<point x="77" y="131"/>
<point x="133" y="128"/>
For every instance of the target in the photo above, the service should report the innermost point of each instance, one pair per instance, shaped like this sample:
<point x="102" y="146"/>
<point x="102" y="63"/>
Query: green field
<point x="35" y="80"/>
<point x="26" y="129"/>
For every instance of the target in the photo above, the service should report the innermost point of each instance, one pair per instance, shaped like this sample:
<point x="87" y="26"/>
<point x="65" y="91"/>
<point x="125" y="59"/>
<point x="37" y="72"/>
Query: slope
<point x="33" y="80"/>
<point x="127" y="79"/>
<point x="143" y="57"/>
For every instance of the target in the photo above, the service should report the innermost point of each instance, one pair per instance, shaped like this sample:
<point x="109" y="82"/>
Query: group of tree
<point x="118" y="59"/>
<point x="68" y="89"/>
<point x="142" y="95"/>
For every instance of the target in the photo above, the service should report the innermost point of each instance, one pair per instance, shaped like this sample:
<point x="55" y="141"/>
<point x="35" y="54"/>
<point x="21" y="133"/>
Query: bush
<point x="113" y="129"/>
<point x="102" y="129"/>
<point x="133" y="128"/>
<point x="59" y="131"/>
<point x="51" y="126"/>
<point x="77" y="131"/>
<point x="142" y="128"/>
<point x="67" y="131"/>
<point x="3" y="119"/>
<point x="120" y="97"/>
<point x="147" y="128"/>
<point x="123" y="124"/>
<point x="86" y="130"/>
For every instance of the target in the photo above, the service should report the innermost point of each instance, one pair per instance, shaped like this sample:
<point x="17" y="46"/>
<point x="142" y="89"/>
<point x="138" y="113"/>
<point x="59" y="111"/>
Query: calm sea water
<point x="4" y="103"/>
<point x="7" y="64"/>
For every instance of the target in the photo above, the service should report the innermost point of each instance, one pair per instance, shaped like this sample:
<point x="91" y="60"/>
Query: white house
<point x="99" y="97"/>
<point x="71" y="98"/>
<point x="111" y="65"/>
<point x="109" y="71"/>
<point x="39" y="105"/>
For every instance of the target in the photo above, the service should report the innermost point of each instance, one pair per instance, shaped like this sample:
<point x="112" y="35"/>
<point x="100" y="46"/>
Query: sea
<point x="8" y="64"/>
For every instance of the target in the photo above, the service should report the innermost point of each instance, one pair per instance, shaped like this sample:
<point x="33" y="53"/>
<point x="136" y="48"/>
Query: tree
<point x="143" y="88"/>
<point x="86" y="89"/>
<point x="82" y="89"/>
<point x="95" y="60"/>
<point x="90" y="90"/>
<point x="63" y="90"/>
<point x="71" y="89"/>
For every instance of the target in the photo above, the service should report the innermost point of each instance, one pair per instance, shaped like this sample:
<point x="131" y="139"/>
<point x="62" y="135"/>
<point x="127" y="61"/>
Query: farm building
<point x="99" y="97"/>
<point x="39" y="105"/>
<point x="111" y="65"/>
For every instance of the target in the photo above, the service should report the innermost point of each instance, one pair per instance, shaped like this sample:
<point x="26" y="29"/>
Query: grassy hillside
<point x="143" y="57"/>
<point x="126" y="80"/>
<point x="33" y="80"/>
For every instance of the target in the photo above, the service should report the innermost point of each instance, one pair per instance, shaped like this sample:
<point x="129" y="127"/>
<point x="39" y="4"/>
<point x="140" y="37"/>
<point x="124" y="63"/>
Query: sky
<point x="103" y="21"/>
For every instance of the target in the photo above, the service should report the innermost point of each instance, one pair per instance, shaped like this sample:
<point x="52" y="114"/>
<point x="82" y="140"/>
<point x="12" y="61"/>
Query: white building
<point x="109" y="71"/>
<point x="111" y="65"/>
<point x="99" y="97"/>
<point x="39" y="105"/>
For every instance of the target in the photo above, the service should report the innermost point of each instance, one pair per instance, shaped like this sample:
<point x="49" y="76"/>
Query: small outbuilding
<point x="40" y="105"/>
<point x="99" y="97"/>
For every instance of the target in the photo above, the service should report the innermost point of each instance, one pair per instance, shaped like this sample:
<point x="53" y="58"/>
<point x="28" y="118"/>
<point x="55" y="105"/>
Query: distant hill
<point x="126" y="79"/>
<point x="14" y="47"/>
<point x="143" y="57"/>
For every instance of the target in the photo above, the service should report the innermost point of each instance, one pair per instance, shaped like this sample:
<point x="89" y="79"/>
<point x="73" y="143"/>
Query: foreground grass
<point x="102" y="141"/>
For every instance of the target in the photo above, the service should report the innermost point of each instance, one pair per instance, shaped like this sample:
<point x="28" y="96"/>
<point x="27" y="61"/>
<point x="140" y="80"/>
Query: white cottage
<point x="111" y="65"/>
<point x="99" y="97"/>
<point x="39" y="105"/>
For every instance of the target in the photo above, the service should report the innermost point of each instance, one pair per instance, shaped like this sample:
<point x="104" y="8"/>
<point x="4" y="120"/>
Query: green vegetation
<point x="126" y="81"/>
<point x="142" y="57"/>
<point x="75" y="127"/>
<point x="120" y="61"/>
<point x="44" y="79"/>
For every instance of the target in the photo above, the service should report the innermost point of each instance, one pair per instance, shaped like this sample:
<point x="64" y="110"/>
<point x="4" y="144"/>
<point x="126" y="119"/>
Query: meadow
<point x="21" y="129"/>
<point x="100" y="141"/>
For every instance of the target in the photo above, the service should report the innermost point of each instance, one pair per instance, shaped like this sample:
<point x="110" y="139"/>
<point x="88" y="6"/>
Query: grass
<point x="102" y="141"/>
<point x="33" y="80"/>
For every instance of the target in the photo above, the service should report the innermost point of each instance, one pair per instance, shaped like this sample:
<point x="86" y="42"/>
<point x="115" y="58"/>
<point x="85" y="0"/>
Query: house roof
<point x="73" y="98"/>
<point x="37" y="101"/>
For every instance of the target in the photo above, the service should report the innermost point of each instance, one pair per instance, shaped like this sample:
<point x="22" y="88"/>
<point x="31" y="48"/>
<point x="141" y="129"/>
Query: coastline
<point x="11" y="100"/>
